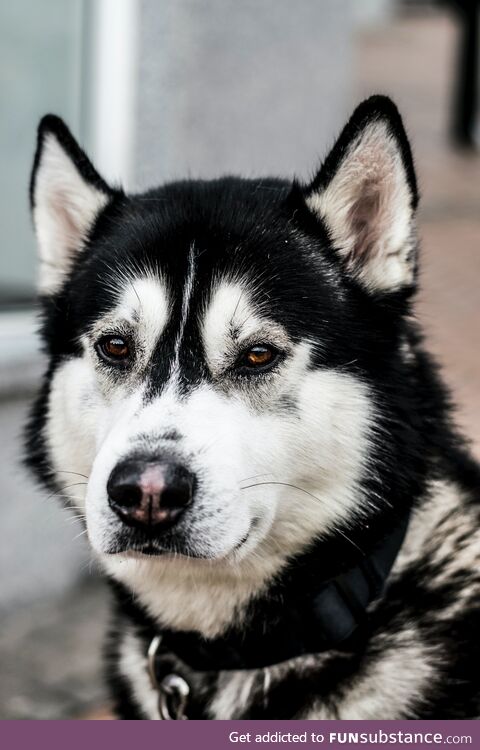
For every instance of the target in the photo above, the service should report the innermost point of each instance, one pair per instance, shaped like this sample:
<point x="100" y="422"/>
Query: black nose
<point x="150" y="494"/>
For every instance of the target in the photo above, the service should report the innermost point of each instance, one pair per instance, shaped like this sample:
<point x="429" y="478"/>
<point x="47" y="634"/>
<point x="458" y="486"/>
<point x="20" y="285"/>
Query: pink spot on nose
<point x="152" y="481"/>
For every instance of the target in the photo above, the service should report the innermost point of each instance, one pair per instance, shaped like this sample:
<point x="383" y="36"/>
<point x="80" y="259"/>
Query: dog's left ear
<point x="67" y="195"/>
<point x="366" y="196"/>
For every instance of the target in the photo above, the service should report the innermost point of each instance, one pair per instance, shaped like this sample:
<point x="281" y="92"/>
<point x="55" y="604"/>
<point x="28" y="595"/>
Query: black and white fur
<point x="308" y="463"/>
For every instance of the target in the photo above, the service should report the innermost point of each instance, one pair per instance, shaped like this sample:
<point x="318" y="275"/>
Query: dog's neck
<point x="294" y="620"/>
<point x="301" y="611"/>
<point x="205" y="596"/>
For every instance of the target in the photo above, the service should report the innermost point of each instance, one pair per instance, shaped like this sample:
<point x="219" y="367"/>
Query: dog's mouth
<point x="152" y="549"/>
<point x="139" y="545"/>
<point x="169" y="547"/>
<point x="253" y="525"/>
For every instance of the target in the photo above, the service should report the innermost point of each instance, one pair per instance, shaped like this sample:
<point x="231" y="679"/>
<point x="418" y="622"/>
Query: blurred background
<point x="158" y="89"/>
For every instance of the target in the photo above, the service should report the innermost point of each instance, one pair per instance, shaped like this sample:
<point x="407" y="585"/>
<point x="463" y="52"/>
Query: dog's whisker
<point x="282" y="484"/>
<point x="254" y="476"/>
<point x="77" y="536"/>
<point x="54" y="470"/>
<point x="76" y="473"/>
<point x="310" y="494"/>
<point x="61" y="491"/>
<point x="77" y="517"/>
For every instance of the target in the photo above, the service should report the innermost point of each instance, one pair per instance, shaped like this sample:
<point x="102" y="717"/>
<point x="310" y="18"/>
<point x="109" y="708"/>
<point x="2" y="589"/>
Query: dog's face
<point x="214" y="344"/>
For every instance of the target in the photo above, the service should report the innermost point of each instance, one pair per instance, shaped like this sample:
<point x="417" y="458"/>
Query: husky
<point x="239" y="407"/>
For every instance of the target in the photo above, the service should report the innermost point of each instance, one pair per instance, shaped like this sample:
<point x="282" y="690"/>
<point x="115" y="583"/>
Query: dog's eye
<point x="258" y="357"/>
<point x="113" y="349"/>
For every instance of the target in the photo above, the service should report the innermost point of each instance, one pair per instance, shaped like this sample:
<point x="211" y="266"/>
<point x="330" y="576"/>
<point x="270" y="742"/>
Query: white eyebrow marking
<point x="186" y="301"/>
<point x="144" y="304"/>
<point x="232" y="317"/>
<point x="229" y="310"/>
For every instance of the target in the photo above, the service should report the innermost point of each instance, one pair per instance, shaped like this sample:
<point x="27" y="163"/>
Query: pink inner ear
<point x="69" y="227"/>
<point x="367" y="207"/>
<point x="365" y="220"/>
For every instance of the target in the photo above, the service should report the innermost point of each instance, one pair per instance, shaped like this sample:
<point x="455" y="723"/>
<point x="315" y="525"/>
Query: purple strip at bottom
<point x="232" y="735"/>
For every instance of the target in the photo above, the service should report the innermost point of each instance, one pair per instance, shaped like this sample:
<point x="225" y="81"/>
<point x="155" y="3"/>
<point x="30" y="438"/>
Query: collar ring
<point x="173" y="690"/>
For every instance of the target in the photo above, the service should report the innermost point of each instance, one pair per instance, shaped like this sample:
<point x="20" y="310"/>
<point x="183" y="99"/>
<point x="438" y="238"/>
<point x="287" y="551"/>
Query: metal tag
<point x="173" y="690"/>
<point x="172" y="697"/>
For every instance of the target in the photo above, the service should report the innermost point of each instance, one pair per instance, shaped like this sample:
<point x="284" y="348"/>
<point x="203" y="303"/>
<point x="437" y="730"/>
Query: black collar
<point x="326" y="618"/>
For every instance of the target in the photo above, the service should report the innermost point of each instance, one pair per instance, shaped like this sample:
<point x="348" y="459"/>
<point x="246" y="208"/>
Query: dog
<point x="239" y="407"/>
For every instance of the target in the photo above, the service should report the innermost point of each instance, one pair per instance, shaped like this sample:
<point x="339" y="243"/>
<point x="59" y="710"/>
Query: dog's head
<point x="217" y="349"/>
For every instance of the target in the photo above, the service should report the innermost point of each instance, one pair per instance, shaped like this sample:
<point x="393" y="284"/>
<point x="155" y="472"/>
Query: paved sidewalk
<point x="50" y="655"/>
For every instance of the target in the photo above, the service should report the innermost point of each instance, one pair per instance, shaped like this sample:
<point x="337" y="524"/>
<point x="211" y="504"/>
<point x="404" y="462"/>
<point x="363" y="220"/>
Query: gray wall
<point x="39" y="44"/>
<point x="248" y="87"/>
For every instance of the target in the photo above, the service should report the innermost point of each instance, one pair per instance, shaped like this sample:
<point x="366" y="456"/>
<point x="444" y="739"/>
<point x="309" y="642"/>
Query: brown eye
<point x="258" y="357"/>
<point x="114" y="349"/>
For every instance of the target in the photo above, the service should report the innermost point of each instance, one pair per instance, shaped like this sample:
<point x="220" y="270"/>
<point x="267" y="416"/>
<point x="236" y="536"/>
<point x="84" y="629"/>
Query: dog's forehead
<point x="216" y="264"/>
<point x="198" y="263"/>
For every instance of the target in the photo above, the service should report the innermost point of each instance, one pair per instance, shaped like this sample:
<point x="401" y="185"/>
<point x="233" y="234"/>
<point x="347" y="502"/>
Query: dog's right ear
<point x="365" y="195"/>
<point x="66" y="196"/>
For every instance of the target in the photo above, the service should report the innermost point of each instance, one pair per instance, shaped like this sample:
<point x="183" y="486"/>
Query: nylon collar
<point x="326" y="619"/>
